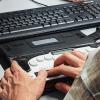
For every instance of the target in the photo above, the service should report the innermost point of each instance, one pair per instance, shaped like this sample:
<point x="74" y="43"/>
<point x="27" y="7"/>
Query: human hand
<point x="18" y="85"/>
<point x="69" y="64"/>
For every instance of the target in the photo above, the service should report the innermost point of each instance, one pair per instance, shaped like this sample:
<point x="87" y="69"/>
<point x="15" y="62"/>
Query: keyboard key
<point x="69" y="20"/>
<point x="33" y="63"/>
<point x="53" y="23"/>
<point x="40" y="58"/>
<point x="24" y="28"/>
<point x="0" y="33"/>
<point x="97" y="16"/>
<point x="64" y="15"/>
<point x="90" y="16"/>
<point x="48" y="57"/>
<point x="60" y="21"/>
<point x="78" y="19"/>
<point x="53" y="16"/>
<point x="12" y="29"/>
<point x="46" y="24"/>
<point x="84" y="17"/>
<point x="5" y="31"/>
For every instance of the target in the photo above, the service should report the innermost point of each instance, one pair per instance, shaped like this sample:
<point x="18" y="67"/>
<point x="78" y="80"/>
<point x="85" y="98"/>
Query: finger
<point x="68" y="58"/>
<point x="3" y="83"/>
<point x="41" y="80"/>
<point x="79" y="54"/>
<point x="0" y="91"/>
<point x="15" y="67"/>
<point x="63" y="87"/>
<point x="8" y="73"/>
<point x="42" y="75"/>
<point x="64" y="70"/>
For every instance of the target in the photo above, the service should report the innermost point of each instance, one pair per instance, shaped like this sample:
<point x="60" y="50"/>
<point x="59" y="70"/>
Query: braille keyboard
<point x="46" y="20"/>
<point x="46" y="61"/>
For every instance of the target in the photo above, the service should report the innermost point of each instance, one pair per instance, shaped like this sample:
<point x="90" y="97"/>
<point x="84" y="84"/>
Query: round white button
<point x="33" y="63"/>
<point x="48" y="56"/>
<point x="40" y="58"/>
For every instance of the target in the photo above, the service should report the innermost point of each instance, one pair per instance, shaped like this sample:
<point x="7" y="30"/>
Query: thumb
<point x="15" y="67"/>
<point x="41" y="78"/>
<point x="42" y="75"/>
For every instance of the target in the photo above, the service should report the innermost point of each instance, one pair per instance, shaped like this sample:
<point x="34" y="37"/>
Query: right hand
<point x="69" y="64"/>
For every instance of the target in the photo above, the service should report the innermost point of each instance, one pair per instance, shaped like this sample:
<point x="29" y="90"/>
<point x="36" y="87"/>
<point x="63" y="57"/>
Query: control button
<point x="40" y="58"/>
<point x="33" y="63"/>
<point x="48" y="56"/>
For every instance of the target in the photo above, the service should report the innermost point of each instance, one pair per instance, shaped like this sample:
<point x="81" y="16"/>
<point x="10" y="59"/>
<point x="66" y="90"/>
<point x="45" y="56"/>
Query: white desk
<point x="14" y="5"/>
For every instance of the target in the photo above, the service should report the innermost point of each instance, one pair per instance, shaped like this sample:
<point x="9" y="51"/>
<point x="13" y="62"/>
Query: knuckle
<point x="60" y="69"/>
<point x="67" y="55"/>
<point x="78" y="70"/>
<point x="81" y="63"/>
<point x="14" y="70"/>
<point x="6" y="74"/>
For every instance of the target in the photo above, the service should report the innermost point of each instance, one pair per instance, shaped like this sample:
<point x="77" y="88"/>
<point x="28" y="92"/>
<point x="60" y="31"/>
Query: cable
<point x="39" y="3"/>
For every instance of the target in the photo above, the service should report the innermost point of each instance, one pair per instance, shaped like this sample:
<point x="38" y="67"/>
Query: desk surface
<point x="14" y="5"/>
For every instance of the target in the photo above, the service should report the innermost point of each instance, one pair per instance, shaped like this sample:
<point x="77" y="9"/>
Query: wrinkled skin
<point x="69" y="64"/>
<point x="18" y="85"/>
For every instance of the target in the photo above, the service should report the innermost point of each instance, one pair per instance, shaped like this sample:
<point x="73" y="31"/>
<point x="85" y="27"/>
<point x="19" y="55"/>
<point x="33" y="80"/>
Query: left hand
<point x="18" y="85"/>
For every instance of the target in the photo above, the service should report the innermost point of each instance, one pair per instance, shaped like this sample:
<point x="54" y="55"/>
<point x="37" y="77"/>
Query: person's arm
<point x="18" y="85"/>
<point x="87" y="85"/>
<point x="69" y="64"/>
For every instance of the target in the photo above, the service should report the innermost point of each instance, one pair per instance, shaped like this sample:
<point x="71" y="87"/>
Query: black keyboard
<point x="47" y="20"/>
